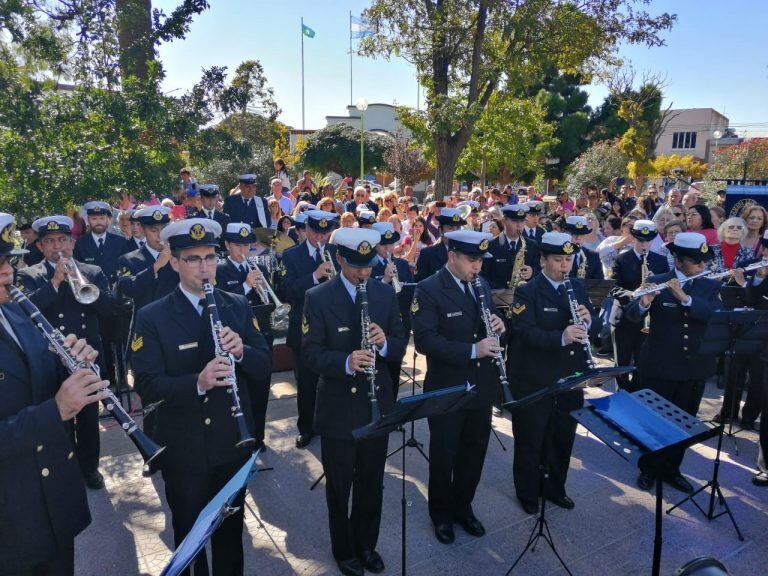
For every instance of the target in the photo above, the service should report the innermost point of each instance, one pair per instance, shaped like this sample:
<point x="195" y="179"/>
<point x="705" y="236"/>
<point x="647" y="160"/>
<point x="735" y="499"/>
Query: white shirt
<point x="97" y="237"/>
<point x="152" y="252"/>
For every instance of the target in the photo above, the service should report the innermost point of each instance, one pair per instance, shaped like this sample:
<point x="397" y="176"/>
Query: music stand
<point x="412" y="442"/>
<point x="210" y="518"/>
<point x="598" y="289"/>
<point x="406" y="410"/>
<point x="729" y="332"/>
<point x="588" y="379"/>
<point x="643" y="428"/>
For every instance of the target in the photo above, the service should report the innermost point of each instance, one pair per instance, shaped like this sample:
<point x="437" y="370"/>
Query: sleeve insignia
<point x="125" y="272"/>
<point x="518" y="309"/>
<point x="414" y="305"/>
<point x="304" y="325"/>
<point x="137" y="343"/>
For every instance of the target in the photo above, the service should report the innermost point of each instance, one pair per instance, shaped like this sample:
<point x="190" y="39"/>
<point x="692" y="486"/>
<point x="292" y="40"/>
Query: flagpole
<point x="302" y="73"/>
<point x="350" y="57"/>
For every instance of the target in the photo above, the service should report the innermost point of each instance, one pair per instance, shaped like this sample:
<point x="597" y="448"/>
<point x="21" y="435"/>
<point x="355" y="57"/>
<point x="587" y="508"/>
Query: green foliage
<point x="465" y="51"/>
<point x="596" y="165"/>
<point x="641" y="110"/>
<point x="745" y="161"/>
<point x="337" y="148"/>
<point x="605" y="123"/>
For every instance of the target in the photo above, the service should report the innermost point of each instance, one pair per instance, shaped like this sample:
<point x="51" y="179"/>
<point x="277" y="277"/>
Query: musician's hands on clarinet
<point x="232" y="342"/>
<point x="359" y="360"/>
<point x="488" y="347"/>
<point x="215" y="373"/>
<point x="575" y="334"/>
<point x="84" y="386"/>
<point x="376" y="335"/>
<point x="498" y="325"/>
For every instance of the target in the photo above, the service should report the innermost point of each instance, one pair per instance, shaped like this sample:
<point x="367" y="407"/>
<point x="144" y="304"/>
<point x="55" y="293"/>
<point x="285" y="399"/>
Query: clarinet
<point x="573" y="303"/>
<point x="216" y="327"/>
<point x="498" y="358"/>
<point x="365" y="329"/>
<point x="148" y="449"/>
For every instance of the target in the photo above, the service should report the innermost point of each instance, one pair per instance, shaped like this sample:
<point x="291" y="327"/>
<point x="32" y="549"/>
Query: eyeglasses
<point x="678" y="214"/>
<point x="197" y="260"/>
<point x="735" y="227"/>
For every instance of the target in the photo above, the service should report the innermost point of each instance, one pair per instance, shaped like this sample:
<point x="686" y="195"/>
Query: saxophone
<point x="581" y="272"/>
<point x="645" y="272"/>
<point x="515" y="279"/>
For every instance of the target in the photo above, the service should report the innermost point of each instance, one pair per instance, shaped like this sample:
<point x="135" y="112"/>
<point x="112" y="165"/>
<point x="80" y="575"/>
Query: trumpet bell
<point x="86" y="294"/>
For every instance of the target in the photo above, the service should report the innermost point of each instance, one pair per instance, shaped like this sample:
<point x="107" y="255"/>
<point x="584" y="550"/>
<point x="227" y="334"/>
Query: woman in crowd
<point x="417" y="238"/>
<point x="284" y="224"/>
<point x="730" y="253"/>
<point x="718" y="216"/>
<point x="672" y="229"/>
<point x="282" y="173"/>
<point x="698" y="219"/>
<point x="565" y="205"/>
<point x="275" y="213"/>
<point x="384" y="214"/>
<point x="348" y="220"/>
<point x="756" y="218"/>
<point x="495" y="227"/>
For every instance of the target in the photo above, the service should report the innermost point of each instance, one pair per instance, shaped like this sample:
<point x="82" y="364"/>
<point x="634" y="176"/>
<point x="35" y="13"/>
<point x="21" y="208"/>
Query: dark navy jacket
<point x="331" y="331"/>
<point x="87" y="251"/>
<point x="594" y="269"/>
<point x="235" y="208"/>
<point x="137" y="278"/>
<point x="669" y="351"/>
<point x="431" y="259"/>
<point x="405" y="296"/>
<point x="43" y="505"/>
<point x="498" y="268"/>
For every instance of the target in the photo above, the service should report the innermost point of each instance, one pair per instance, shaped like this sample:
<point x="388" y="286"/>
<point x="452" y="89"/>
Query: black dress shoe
<point x="747" y="424"/>
<point x="351" y="567"/>
<point x="372" y="561"/>
<point x="94" y="480"/>
<point x="497" y="412"/>
<point x="261" y="446"/>
<point x="471" y="525"/>
<point x="303" y="440"/>
<point x="444" y="533"/>
<point x="680" y="482"/>
<point x="646" y="481"/>
<point x="529" y="506"/>
<point x="760" y="479"/>
<point x="563" y="502"/>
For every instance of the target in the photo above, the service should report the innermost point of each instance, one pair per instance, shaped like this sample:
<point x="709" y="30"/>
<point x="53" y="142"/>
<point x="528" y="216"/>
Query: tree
<point x="466" y="51"/>
<point x="405" y="159"/>
<point x="745" y="161"/>
<point x="596" y="166"/>
<point x="673" y="165"/>
<point x="605" y="123"/>
<point x="337" y="148"/>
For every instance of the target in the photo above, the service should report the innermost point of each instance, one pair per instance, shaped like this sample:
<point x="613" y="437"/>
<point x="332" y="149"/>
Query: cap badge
<point x="568" y="248"/>
<point x="388" y="234"/>
<point x="7" y="234"/>
<point x="244" y="232"/>
<point x="323" y="223"/>
<point x="52" y="225"/>
<point x="579" y="225"/>
<point x="521" y="212"/>
<point x="704" y="248"/>
<point x="483" y="245"/>
<point x="157" y="215"/>
<point x="456" y="218"/>
<point x="646" y="231"/>
<point x="364" y="248"/>
<point x="197" y="232"/>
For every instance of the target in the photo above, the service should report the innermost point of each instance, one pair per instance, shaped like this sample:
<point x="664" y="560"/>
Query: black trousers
<point x="306" y="392"/>
<point x="740" y="367"/>
<point x="394" y="374"/>
<point x="684" y="394"/>
<point x="544" y="428"/>
<point x="629" y="340"/>
<point x="85" y="437"/>
<point x="61" y="564"/>
<point x="764" y="420"/>
<point x="187" y="495"/>
<point x="259" y="399"/>
<point x="356" y="467"/>
<point x="457" y="446"/>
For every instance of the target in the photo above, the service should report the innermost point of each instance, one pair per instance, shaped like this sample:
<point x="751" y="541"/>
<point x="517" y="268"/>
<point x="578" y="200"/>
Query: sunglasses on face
<point x="735" y="227"/>
<point x="678" y="214"/>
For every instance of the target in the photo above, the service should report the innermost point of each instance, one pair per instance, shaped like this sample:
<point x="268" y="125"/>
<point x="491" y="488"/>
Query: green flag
<point x="307" y="31"/>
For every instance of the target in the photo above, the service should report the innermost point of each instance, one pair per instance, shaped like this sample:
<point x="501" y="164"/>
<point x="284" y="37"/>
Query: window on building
<point x="683" y="140"/>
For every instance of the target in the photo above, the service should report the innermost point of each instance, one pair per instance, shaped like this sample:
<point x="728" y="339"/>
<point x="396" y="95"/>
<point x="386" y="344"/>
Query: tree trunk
<point x="447" y="155"/>
<point x="134" y="35"/>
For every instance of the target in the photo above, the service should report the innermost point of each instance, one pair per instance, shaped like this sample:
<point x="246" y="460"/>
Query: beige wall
<point x="703" y="121"/>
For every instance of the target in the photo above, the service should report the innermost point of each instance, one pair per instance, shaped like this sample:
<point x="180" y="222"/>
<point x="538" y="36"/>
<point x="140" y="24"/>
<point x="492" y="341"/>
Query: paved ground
<point x="609" y="533"/>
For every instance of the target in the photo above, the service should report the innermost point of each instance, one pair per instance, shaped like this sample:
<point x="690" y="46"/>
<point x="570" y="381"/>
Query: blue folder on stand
<point x="210" y="518"/>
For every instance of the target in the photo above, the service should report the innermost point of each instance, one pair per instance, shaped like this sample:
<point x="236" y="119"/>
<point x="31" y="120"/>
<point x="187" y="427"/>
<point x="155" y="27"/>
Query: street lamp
<point x="362" y="105"/>
<point x="717" y="135"/>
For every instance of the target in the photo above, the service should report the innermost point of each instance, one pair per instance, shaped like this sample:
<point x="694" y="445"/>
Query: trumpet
<point x="397" y="284"/>
<point x="83" y="291"/>
<point x="279" y="318"/>
<point x="328" y="260"/>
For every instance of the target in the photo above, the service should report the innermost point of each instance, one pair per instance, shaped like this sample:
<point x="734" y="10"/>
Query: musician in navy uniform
<point x="136" y="240"/>
<point x="235" y="274"/>
<point x="43" y="505"/>
<point x="504" y="248"/>
<point x="365" y="218"/>
<point x="669" y="364"/>
<point x="448" y="329"/>
<point x="174" y="362"/>
<point x="433" y="258"/>
<point x="757" y="297"/>
<point x="246" y="207"/>
<point x="209" y="196"/>
<point x="297" y="232"/>
<point x="146" y="275"/>
<point x="628" y="271"/>
<point x="532" y="230"/>
<point x="100" y="247"/>
<point x="332" y="335"/>
<point x="32" y="254"/>
<point x="46" y="286"/>
<point x="385" y="266"/>
<point x="547" y="346"/>
<point x="586" y="262"/>
<point x="303" y="266"/>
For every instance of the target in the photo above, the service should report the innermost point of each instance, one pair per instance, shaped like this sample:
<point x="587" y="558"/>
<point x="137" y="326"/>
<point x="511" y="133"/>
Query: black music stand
<point x="588" y="379"/>
<point x="409" y="409"/>
<point x="210" y="518"/>
<point x="729" y="332"/>
<point x="643" y="428"/>
<point x="412" y="442"/>
<point x="598" y="289"/>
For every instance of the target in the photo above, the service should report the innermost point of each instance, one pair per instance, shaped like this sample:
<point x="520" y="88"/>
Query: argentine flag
<point x="360" y="28"/>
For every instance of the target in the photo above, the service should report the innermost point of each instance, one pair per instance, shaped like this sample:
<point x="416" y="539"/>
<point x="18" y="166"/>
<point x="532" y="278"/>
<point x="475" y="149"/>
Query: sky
<point x="716" y="57"/>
